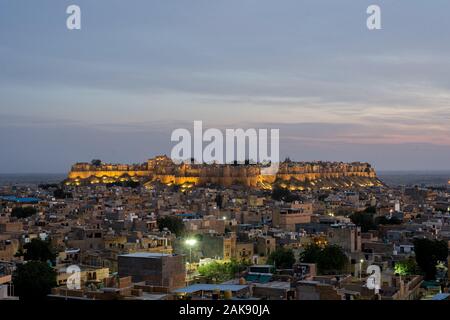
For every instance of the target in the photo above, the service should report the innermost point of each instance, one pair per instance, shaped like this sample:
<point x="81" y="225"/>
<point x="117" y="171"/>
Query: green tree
<point x="214" y="271"/>
<point x="219" y="201"/>
<point x="371" y="209"/>
<point x="61" y="194"/>
<point x="34" y="280"/>
<point x="383" y="220"/>
<point x="23" y="212"/>
<point x="364" y="220"/>
<point x="39" y="250"/>
<point x="428" y="253"/>
<point x="332" y="259"/>
<point x="346" y="212"/>
<point x="311" y="254"/>
<point x="220" y="272"/>
<point x="406" y="267"/>
<point x="329" y="259"/>
<point x="96" y="162"/>
<point x="174" y="224"/>
<point x="284" y="194"/>
<point x="126" y="184"/>
<point x="282" y="258"/>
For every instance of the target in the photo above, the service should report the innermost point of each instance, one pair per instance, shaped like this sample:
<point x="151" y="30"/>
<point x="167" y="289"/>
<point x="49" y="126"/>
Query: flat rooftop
<point x="441" y="296"/>
<point x="20" y="200"/>
<point x="275" y="284"/>
<point x="150" y="255"/>
<point x="211" y="287"/>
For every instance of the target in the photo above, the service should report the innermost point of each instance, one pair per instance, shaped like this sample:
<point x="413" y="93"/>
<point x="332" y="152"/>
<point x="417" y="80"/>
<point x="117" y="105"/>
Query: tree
<point x="38" y="250"/>
<point x="406" y="267"/>
<point x="61" y="194"/>
<point x="366" y="220"/>
<point x="332" y="259"/>
<point x="174" y="224"/>
<point x="383" y="220"/>
<point x="343" y="211"/>
<point x="428" y="254"/>
<point x="282" y="258"/>
<point x="47" y="186"/>
<point x="219" y="201"/>
<point x="329" y="259"/>
<point x="284" y="194"/>
<point x="311" y="254"/>
<point x="220" y="272"/>
<point x="126" y="184"/>
<point x="23" y="212"/>
<point x="214" y="271"/>
<point x="96" y="162"/>
<point x="363" y="220"/>
<point x="371" y="209"/>
<point x="34" y="280"/>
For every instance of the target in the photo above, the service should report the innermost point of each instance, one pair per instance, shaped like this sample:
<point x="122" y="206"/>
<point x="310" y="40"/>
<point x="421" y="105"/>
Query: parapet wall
<point x="293" y="175"/>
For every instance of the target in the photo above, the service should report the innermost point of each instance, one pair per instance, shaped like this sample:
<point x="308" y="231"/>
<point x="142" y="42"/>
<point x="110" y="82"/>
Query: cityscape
<point x="165" y="231"/>
<point x="224" y="158"/>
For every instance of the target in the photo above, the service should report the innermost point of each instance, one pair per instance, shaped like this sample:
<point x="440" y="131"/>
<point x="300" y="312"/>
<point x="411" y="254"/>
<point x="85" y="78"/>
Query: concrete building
<point x="244" y="251"/>
<point x="265" y="245"/>
<point x="288" y="218"/>
<point x="158" y="269"/>
<point x="348" y="237"/>
<point x="218" y="246"/>
<point x="315" y="290"/>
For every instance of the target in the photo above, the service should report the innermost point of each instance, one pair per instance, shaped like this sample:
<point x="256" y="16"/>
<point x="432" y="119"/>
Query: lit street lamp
<point x="360" y="268"/>
<point x="190" y="243"/>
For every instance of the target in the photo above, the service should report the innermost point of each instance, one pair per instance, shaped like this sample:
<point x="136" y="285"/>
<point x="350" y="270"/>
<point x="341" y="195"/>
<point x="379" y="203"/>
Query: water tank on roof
<point x="227" y="295"/>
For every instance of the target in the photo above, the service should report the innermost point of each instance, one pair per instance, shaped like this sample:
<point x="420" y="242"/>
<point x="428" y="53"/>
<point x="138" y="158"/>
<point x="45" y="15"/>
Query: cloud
<point x="117" y="88"/>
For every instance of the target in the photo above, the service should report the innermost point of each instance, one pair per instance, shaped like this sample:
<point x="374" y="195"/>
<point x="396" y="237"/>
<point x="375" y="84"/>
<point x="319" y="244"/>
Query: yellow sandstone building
<point x="292" y="175"/>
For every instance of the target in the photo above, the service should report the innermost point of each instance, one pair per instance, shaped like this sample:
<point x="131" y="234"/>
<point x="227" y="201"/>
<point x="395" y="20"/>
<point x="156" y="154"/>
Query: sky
<point x="139" y="69"/>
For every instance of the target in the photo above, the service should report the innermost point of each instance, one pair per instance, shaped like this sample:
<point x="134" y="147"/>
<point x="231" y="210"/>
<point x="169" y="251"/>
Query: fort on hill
<point x="291" y="175"/>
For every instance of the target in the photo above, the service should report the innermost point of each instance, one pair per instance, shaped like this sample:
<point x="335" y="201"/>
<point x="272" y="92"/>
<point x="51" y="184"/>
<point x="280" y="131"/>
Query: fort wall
<point x="293" y="175"/>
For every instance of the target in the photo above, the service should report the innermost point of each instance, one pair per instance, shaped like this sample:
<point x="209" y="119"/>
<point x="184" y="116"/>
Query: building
<point x="348" y="237"/>
<point x="158" y="269"/>
<point x="315" y="290"/>
<point x="161" y="169"/>
<point x="288" y="218"/>
<point x="265" y="245"/>
<point x="213" y="291"/>
<point x="274" y="290"/>
<point x="218" y="246"/>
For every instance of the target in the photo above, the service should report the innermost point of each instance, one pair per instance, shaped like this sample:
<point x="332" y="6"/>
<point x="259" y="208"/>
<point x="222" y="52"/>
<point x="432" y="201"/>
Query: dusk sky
<point x="138" y="69"/>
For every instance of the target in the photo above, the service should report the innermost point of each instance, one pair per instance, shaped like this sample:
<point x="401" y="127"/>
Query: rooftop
<point x="20" y="200"/>
<point x="441" y="296"/>
<point x="150" y="255"/>
<point x="211" y="287"/>
<point x="275" y="284"/>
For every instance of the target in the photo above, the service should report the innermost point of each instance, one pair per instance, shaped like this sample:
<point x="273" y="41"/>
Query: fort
<point x="291" y="175"/>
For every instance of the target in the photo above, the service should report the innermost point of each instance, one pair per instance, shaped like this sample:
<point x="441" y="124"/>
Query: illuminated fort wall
<point x="162" y="169"/>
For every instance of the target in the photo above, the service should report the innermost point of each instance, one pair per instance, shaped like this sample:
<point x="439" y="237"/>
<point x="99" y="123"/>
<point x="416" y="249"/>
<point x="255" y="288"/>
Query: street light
<point x="360" y="268"/>
<point x="190" y="243"/>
